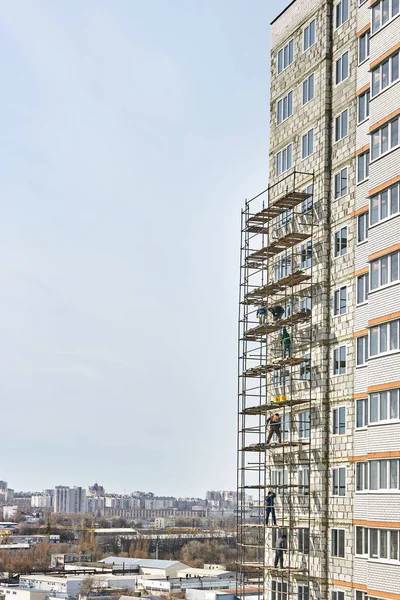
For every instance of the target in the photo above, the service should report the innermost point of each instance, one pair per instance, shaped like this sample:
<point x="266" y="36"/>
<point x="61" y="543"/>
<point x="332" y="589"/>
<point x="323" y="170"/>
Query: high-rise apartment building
<point x="69" y="500"/>
<point x="320" y="313"/>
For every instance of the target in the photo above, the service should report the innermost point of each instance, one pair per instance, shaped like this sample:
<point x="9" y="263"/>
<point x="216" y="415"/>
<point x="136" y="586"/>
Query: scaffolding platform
<point x="257" y="295"/>
<point x="264" y="408"/>
<point x="286" y="202"/>
<point x="261" y="330"/>
<point x="263" y="447"/>
<point x="262" y="370"/>
<point x="278" y="246"/>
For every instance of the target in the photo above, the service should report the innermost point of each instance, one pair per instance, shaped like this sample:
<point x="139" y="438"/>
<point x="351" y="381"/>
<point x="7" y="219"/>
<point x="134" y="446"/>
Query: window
<point x="384" y="139"/>
<point x="384" y="406"/>
<point x="279" y="590"/>
<point x="363" y="106"/>
<point x="384" y="270"/>
<point x="340" y="242"/>
<point x="337" y="595"/>
<point x="341" y="12"/>
<point x="283" y="267"/>
<point x="284" y="218"/>
<point x="342" y="68"/>
<point x="337" y="542"/>
<point x="306" y="204"/>
<point x="303" y="539"/>
<point x="360" y="595"/>
<point x="284" y="160"/>
<point x="362" y="288"/>
<point x="341" y="184"/>
<point x="303" y="592"/>
<point x="339" y="481"/>
<point x="303" y="475"/>
<point x="340" y="301"/>
<point x="307" y="144"/>
<point x="385" y="74"/>
<point x="362" y="227"/>
<point x="304" y="425"/>
<point x="363" y="46"/>
<point x="285" y="426"/>
<point x="284" y="108"/>
<point x="378" y="544"/>
<point x="308" y="89"/>
<point x="339" y="360"/>
<point x="285" y="56"/>
<point x="306" y="255"/>
<point x="361" y="541"/>
<point x="339" y="420"/>
<point x="281" y="377"/>
<point x="362" y="350"/>
<point x="363" y="166"/>
<point x="384" y="338"/>
<point x="362" y="413"/>
<point x="361" y="476"/>
<point x="309" y="35"/>
<point x="342" y="125"/>
<point x="279" y="478"/>
<point x="385" y="204"/>
<point x="382" y="12"/>
<point x="305" y="369"/>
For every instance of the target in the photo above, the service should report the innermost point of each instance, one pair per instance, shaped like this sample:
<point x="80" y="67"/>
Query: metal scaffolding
<point x="276" y="272"/>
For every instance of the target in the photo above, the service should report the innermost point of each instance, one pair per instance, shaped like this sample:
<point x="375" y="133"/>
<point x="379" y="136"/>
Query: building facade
<point x="334" y="132"/>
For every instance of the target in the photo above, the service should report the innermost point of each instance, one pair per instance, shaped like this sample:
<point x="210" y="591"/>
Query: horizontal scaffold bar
<point x="278" y="246"/>
<point x="273" y="446"/>
<point x="257" y="295"/>
<point x="264" y="408"/>
<point x="279" y="206"/>
<point x="264" y="330"/>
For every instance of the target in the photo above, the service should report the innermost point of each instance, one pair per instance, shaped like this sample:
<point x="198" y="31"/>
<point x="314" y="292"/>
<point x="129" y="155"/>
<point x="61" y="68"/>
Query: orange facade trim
<point x="361" y="150"/>
<point x="363" y="89"/>
<point x="363" y="30"/>
<point x="384" y="319"/>
<point x="383" y="186"/>
<point x="384" y="252"/>
<point x="392" y="115"/>
<point x="359" y="211"/>
<point x="383" y="386"/>
<point x="375" y="455"/>
<point x="361" y="271"/>
<point x="388" y="53"/>
<point x="363" y="523"/>
<point x="362" y="587"/>
<point x="360" y="394"/>
<point x="357" y="334"/>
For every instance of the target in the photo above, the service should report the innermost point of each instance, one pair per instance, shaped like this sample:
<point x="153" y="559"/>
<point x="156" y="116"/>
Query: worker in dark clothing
<point x="286" y="343"/>
<point x="277" y="312"/>
<point x="280" y="547"/>
<point x="270" y="508"/>
<point x="274" y="422"/>
<point x="262" y="315"/>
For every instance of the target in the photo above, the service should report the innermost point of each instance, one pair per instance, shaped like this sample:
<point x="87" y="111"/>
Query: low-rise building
<point x="157" y="569"/>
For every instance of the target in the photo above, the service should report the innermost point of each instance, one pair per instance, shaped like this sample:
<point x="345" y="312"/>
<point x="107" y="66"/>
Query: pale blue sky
<point x="131" y="133"/>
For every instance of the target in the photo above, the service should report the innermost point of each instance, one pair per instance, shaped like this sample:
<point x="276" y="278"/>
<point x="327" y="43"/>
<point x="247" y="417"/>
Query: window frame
<point x="363" y="402"/>
<point x="338" y="351"/>
<point x="337" y="301"/>
<point x="308" y="27"/>
<point x="308" y="138"/>
<point x="389" y="125"/>
<point x="378" y="197"/>
<point x="282" y="100"/>
<point x="337" y="532"/>
<point x="307" y="84"/>
<point x="341" y="79"/>
<point x="341" y="124"/>
<point x="338" y="176"/>
<point x="362" y="227"/>
<point x="365" y="157"/>
<point x="365" y="99"/>
<point x="392" y="261"/>
<point x="337" y="422"/>
<point x="365" y="288"/>
<point x="391" y="16"/>
<point x="338" y="474"/>
<point x="380" y="68"/>
<point x="280" y="171"/>
<point x="385" y="396"/>
<point x="281" y="52"/>
<point x="362" y="341"/>
<point x="337" y="236"/>
<point x="387" y="327"/>
<point x="304" y="424"/>
<point x="340" y="15"/>
<point x="366" y="36"/>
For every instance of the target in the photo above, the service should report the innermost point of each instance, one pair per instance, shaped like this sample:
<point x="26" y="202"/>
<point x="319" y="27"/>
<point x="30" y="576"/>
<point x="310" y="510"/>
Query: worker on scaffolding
<point x="286" y="343"/>
<point x="274" y="422"/>
<point x="262" y="314"/>
<point x="276" y="312"/>
<point x="270" y="508"/>
<point x="281" y="545"/>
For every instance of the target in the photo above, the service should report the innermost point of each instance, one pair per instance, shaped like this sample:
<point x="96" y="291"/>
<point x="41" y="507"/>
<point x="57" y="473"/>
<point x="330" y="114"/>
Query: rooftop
<point x="282" y="11"/>
<point x="141" y="562"/>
